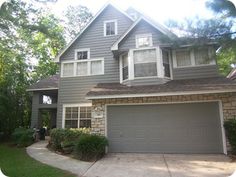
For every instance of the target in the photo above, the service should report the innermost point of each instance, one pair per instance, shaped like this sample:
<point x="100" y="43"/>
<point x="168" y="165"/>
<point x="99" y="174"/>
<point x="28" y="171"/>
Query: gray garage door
<point x="167" y="128"/>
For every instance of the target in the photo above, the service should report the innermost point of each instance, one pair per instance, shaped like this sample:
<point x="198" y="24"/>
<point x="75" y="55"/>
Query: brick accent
<point x="228" y="101"/>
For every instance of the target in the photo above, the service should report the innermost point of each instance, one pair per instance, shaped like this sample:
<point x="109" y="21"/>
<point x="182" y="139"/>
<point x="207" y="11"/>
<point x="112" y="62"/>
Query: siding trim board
<point x="57" y="59"/>
<point x="176" y="102"/>
<point x="158" y="94"/>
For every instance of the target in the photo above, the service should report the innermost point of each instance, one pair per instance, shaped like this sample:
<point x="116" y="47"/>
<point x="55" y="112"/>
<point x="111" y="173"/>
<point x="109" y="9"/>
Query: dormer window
<point x="143" y="40"/>
<point x="82" y="54"/>
<point x="110" y="27"/>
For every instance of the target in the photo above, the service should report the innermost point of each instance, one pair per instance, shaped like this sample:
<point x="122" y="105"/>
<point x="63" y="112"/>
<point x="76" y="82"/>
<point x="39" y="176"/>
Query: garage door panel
<point x="167" y="128"/>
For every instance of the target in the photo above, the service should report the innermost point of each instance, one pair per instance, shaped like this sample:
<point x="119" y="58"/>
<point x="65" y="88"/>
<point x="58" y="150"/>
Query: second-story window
<point x="125" y="71"/>
<point x="82" y="54"/>
<point x="143" y="40"/>
<point x="183" y="58"/>
<point x="145" y="63"/>
<point x="166" y="62"/>
<point x="110" y="28"/>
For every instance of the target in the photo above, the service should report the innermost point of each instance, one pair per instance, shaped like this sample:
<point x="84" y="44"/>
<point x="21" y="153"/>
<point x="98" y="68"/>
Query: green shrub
<point x="23" y="137"/>
<point x="62" y="138"/>
<point x="91" y="147"/>
<point x="230" y="128"/>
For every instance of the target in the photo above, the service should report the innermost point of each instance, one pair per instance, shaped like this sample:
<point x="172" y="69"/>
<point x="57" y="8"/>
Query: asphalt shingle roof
<point x="46" y="84"/>
<point x="189" y="85"/>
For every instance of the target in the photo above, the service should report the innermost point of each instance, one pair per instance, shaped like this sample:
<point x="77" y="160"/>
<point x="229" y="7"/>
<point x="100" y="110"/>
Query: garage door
<point x="166" y="128"/>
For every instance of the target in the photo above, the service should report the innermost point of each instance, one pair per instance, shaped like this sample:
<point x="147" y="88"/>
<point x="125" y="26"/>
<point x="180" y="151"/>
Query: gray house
<point x="123" y="78"/>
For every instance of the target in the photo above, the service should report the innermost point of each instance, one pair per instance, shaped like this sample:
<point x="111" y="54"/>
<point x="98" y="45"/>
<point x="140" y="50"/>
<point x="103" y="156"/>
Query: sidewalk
<point x="39" y="152"/>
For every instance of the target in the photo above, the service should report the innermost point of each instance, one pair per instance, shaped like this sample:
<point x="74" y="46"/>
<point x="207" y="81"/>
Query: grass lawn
<point x="14" y="162"/>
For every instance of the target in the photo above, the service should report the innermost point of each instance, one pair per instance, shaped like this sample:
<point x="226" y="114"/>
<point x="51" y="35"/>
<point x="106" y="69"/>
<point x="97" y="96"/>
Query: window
<point x="202" y="56"/>
<point x="183" y="58"/>
<point x="82" y="54"/>
<point x="83" y="67"/>
<point x="77" y="117"/>
<point x="125" y="66"/>
<point x="145" y="63"/>
<point x="110" y="28"/>
<point x="143" y="40"/>
<point x="85" y="117"/>
<point x="166" y="63"/>
<point x="71" y="117"/>
<point x="68" y="69"/>
<point x="194" y="57"/>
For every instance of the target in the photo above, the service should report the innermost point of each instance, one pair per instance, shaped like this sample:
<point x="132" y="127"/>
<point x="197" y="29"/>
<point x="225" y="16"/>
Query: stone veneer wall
<point x="98" y="106"/>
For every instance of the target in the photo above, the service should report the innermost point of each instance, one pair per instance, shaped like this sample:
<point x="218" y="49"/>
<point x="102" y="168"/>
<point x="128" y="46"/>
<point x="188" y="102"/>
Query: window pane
<point x="201" y="56"/>
<point x="166" y="64"/>
<point x="71" y="124"/>
<point x="145" y="56"/>
<point x="82" y="68"/>
<point x="68" y="69"/>
<point x="81" y="55"/>
<point x="145" y="63"/>
<point x="183" y="58"/>
<point x="144" y="41"/>
<point x="96" y="67"/>
<point x="85" y="124"/>
<point x="110" y="28"/>
<point x="125" y="66"/>
<point x="145" y="70"/>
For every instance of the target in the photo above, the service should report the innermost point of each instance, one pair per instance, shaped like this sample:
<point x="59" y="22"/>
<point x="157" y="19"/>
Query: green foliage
<point x="16" y="162"/>
<point x="28" y="34"/>
<point x="230" y="127"/>
<point x="60" y="138"/>
<point x="23" y="137"/>
<point x="91" y="147"/>
<point x="76" y="19"/>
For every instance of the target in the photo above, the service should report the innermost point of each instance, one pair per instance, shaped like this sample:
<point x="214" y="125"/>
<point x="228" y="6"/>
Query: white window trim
<point x="82" y="50"/>
<point x="104" y="27"/>
<point x="88" y="67"/>
<point x="64" y="106"/>
<point x="192" y="58"/>
<point x="143" y="36"/>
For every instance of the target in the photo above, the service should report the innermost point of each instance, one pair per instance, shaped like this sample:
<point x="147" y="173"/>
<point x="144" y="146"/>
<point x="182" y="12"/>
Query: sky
<point x="159" y="10"/>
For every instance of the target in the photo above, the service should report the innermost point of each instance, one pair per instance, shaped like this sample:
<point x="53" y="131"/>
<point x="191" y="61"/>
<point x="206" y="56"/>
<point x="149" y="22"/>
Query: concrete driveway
<point x="158" y="165"/>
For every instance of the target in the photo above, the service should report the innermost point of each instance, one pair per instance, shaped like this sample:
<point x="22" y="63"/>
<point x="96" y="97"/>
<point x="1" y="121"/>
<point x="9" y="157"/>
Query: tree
<point x="26" y="33"/>
<point x="218" y="29"/>
<point x="224" y="7"/>
<point x="76" y="19"/>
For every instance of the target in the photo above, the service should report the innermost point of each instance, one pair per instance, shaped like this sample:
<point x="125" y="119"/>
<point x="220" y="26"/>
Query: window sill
<point x="193" y="66"/>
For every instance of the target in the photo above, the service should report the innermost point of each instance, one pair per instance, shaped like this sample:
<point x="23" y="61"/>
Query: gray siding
<point x="73" y="89"/>
<point x="195" y="72"/>
<point x="35" y="109"/>
<point x="141" y="28"/>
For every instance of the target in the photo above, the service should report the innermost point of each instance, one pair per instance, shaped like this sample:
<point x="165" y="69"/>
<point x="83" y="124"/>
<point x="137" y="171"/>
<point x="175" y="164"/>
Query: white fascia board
<point x="30" y="90"/>
<point x="158" y="94"/>
<point x="57" y="59"/>
<point x="157" y="26"/>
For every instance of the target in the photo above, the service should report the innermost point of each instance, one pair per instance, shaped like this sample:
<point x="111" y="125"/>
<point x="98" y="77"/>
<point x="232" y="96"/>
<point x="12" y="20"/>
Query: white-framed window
<point x="143" y="40"/>
<point x="86" y="67"/>
<point x="110" y="27"/>
<point x="77" y="116"/>
<point x="166" y="62"/>
<point x="125" y="69"/>
<point x="193" y="57"/>
<point x="82" y="54"/>
<point x="145" y="63"/>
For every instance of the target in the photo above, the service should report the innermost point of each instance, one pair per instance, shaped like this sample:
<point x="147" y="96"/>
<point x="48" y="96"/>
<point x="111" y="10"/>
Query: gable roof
<point x="156" y="25"/>
<point x="93" y="19"/>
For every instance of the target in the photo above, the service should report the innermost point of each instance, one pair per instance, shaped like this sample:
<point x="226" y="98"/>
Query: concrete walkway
<point x="39" y="152"/>
<point x="138" y="165"/>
